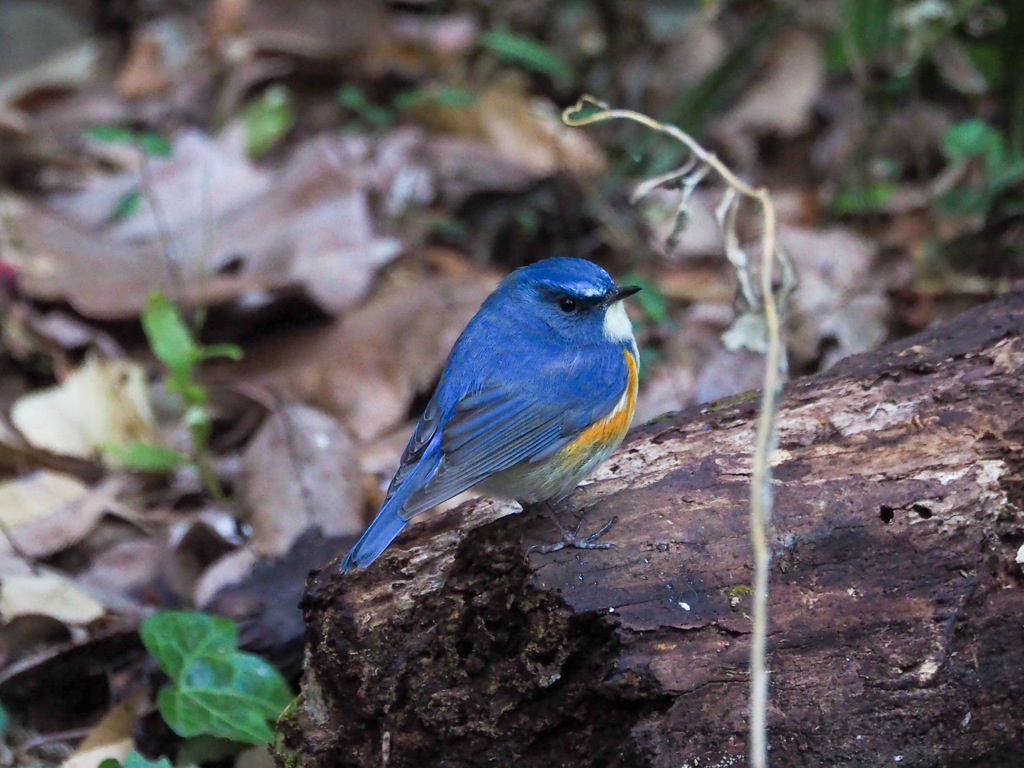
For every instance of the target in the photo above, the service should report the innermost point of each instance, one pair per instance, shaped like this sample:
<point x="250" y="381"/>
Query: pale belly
<point x="550" y="480"/>
<point x="556" y="477"/>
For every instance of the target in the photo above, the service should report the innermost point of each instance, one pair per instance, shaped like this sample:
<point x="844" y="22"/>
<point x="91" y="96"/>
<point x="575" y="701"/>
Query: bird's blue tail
<point x="375" y="539"/>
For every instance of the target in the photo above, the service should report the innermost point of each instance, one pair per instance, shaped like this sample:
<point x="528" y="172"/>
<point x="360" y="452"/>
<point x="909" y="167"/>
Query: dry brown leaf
<point x="317" y="29"/>
<point x="195" y="545"/>
<point x="143" y="74"/>
<point x="523" y="129"/>
<point x="105" y="402"/>
<point x="782" y="100"/>
<point x="367" y="368"/>
<point x="46" y="512"/>
<point x="300" y="471"/>
<point x="112" y="736"/>
<point x="233" y="230"/>
<point x="126" y="567"/>
<point x="255" y="757"/>
<point x="838" y="298"/>
<point x="37" y="496"/>
<point x="234" y="568"/>
<point x="47" y="594"/>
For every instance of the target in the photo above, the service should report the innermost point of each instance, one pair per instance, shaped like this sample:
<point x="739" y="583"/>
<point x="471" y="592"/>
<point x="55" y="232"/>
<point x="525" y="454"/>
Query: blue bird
<point x="538" y="390"/>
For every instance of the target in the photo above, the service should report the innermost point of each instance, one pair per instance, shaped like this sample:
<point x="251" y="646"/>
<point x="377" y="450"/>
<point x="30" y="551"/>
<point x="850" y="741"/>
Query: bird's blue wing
<point x="498" y="426"/>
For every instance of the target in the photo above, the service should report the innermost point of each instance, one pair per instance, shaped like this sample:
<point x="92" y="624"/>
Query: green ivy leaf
<point x="233" y="697"/>
<point x="528" y="53"/>
<point x="215" y="690"/>
<point x="175" y="637"/>
<point x="146" y="457"/>
<point x="267" y="120"/>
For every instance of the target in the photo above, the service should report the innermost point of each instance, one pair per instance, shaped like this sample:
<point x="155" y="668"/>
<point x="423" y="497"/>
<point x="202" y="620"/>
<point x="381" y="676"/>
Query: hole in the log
<point x="922" y="511"/>
<point x="886" y="513"/>
<point x="463" y="648"/>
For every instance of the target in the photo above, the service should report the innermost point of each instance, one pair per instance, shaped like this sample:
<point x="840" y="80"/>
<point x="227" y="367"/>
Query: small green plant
<point x="215" y="689"/>
<point x="152" y="144"/>
<point x="379" y="116"/>
<point x="173" y="343"/>
<point x="975" y="141"/>
<point x="149" y="142"/>
<point x="527" y="53"/>
<point x="267" y="120"/>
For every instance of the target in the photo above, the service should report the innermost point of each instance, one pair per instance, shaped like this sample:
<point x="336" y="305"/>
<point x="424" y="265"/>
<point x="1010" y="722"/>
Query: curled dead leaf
<point x="104" y="402"/>
<point x="47" y="594"/>
<point x="300" y="472"/>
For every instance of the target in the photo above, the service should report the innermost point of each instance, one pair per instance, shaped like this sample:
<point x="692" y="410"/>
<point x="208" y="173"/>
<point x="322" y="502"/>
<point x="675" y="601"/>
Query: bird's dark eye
<point x="567" y="304"/>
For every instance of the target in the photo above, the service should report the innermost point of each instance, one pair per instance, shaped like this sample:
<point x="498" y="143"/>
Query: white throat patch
<point x="616" y="323"/>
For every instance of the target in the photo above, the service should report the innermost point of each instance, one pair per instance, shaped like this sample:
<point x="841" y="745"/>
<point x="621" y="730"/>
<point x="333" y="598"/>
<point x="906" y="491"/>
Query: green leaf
<point x="532" y="55"/>
<point x="154" y="144"/>
<point x="126" y="206"/>
<point x="146" y="457"/>
<point x="197" y="420"/>
<point x="267" y="120"/>
<point x="863" y="199"/>
<point x="972" y="138"/>
<point x="232" y="697"/>
<point x="229" y="351"/>
<point x="176" y="637"/>
<point x="5" y="720"/>
<point x="352" y="97"/>
<point x="442" y="95"/>
<point x="148" y="142"/>
<point x="216" y="690"/>
<point x="110" y="134"/>
<point x="169" y="337"/>
<point x="1007" y="175"/>
<point x="964" y="201"/>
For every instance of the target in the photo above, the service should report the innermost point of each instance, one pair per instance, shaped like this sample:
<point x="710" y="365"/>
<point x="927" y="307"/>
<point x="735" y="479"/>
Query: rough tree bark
<point x="897" y="606"/>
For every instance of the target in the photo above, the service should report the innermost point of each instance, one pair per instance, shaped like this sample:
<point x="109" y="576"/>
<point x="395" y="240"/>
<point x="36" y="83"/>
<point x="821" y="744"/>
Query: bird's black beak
<point x="620" y="292"/>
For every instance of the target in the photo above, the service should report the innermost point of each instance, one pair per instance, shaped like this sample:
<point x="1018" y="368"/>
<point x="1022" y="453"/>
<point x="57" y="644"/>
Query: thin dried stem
<point x="769" y="302"/>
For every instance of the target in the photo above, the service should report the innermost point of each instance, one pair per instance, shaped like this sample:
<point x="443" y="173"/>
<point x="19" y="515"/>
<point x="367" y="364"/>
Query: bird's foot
<point x="573" y="539"/>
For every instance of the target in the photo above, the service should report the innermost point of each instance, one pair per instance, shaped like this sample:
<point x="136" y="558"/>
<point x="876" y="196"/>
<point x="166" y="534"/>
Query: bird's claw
<point x="574" y="540"/>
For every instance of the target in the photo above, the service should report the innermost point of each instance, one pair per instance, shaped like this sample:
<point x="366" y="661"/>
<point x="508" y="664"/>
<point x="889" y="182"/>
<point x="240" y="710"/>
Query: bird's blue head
<point x="574" y="297"/>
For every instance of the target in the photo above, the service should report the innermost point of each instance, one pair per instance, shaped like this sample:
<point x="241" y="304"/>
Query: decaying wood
<point x="897" y="604"/>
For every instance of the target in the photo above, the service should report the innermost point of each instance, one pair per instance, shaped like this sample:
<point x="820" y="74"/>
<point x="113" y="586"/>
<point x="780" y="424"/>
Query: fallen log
<point x="897" y="599"/>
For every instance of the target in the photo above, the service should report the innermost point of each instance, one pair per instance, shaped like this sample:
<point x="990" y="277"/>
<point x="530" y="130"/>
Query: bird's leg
<point x="572" y="538"/>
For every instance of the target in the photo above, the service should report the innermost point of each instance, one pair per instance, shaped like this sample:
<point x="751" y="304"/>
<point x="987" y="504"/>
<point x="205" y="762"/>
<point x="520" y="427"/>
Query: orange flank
<point x="610" y="430"/>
